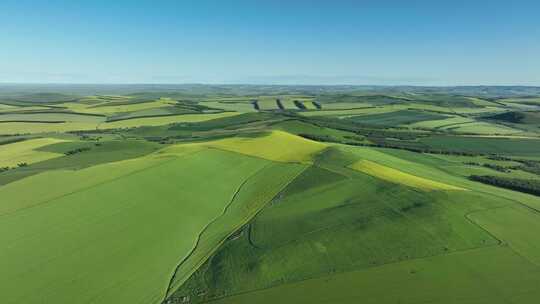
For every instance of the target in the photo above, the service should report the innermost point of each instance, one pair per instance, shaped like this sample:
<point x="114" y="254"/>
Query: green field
<point x="43" y="127"/>
<point x="50" y="117"/>
<point x="472" y="277"/>
<point x="27" y="152"/>
<point x="194" y="195"/>
<point x="123" y="222"/>
<point x="403" y="117"/>
<point x="509" y="146"/>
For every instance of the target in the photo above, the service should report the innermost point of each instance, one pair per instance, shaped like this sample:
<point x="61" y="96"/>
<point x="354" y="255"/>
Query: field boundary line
<point x="233" y="231"/>
<point x="207" y="226"/>
<point x="98" y="184"/>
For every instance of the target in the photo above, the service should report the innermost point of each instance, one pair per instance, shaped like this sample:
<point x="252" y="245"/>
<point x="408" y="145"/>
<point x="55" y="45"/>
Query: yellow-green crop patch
<point x="267" y="103"/>
<point x="399" y="177"/>
<point x="26" y="152"/>
<point x="278" y="146"/>
<point x="309" y="105"/>
<point x="442" y="123"/>
<point x="5" y="107"/>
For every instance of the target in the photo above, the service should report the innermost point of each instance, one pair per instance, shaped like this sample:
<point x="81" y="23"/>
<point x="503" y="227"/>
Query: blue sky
<point x="276" y="42"/>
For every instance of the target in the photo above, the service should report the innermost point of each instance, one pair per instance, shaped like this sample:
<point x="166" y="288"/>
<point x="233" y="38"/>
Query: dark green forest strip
<point x="522" y="185"/>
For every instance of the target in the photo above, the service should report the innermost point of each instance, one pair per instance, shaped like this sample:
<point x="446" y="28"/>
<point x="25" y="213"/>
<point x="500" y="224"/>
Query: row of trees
<point x="523" y="185"/>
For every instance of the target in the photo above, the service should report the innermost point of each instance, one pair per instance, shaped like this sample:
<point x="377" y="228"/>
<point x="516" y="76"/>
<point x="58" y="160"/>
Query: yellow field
<point x="25" y="152"/>
<point x="399" y="177"/>
<point x="277" y="146"/>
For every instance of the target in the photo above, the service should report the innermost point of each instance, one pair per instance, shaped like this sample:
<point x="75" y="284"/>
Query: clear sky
<point x="271" y="41"/>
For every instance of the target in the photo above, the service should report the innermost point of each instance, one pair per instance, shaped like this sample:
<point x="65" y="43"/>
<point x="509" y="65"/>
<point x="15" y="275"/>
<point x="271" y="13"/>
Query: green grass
<point x="195" y="193"/>
<point x="483" y="276"/>
<point x="116" y="239"/>
<point x="516" y="226"/>
<point x="352" y="112"/>
<point x="252" y="196"/>
<point x="332" y="220"/>
<point x="482" y="128"/>
<point x="237" y="106"/>
<point x="300" y="127"/>
<point x="38" y="127"/>
<point x="51" y="117"/>
<point x="104" y="152"/>
<point x="441" y="123"/>
<point x="397" y="118"/>
<point x="26" y="152"/>
<point x="507" y="146"/>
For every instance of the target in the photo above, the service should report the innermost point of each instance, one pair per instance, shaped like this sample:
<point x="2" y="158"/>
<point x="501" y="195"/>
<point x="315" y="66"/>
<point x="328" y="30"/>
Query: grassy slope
<point x="26" y="152"/>
<point x="103" y="152"/>
<point x="481" y="276"/>
<point x="99" y="231"/>
<point x="258" y="190"/>
<point x="277" y="146"/>
<point x="307" y="232"/>
<point x="396" y="176"/>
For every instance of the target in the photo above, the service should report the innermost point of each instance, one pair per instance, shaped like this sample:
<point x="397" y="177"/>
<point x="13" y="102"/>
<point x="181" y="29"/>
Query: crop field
<point x="472" y="277"/>
<point x="443" y="123"/>
<point x="482" y="128"/>
<point x="106" y="108"/>
<point x="51" y="117"/>
<point x="403" y="117"/>
<point x="43" y="127"/>
<point x="237" y="106"/>
<point x="331" y="195"/>
<point x="26" y="152"/>
<point x="299" y="150"/>
<point x="351" y="112"/>
<point x="509" y="146"/>
<point x="396" y="176"/>
<point x="117" y="228"/>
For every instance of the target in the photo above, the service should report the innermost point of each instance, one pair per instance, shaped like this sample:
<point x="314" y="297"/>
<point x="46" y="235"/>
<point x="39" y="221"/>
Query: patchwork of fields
<point x="269" y="196"/>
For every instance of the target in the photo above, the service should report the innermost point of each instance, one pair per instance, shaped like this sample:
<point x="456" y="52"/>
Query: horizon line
<point x="267" y="84"/>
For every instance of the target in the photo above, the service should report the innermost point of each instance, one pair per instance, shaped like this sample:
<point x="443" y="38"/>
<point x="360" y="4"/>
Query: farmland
<point x="269" y="194"/>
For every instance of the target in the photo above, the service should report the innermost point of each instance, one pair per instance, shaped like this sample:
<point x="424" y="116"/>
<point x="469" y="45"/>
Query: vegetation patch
<point x="396" y="176"/>
<point x="25" y="152"/>
<point x="523" y="185"/>
<point x="277" y="145"/>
